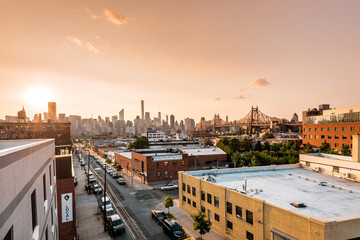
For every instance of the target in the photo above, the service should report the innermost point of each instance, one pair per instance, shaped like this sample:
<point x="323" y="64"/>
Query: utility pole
<point x="105" y="219"/>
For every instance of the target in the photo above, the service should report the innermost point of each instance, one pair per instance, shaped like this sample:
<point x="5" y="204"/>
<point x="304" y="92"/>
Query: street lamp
<point x="88" y="180"/>
<point x="105" y="219"/>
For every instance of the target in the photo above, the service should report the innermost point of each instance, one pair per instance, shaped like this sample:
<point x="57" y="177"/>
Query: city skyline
<point x="183" y="58"/>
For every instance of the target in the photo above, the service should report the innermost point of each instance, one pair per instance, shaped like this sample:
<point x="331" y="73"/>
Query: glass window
<point x="216" y="201"/>
<point x="329" y="136"/>
<point x="158" y="174"/>
<point x="184" y="187"/>
<point x="329" y="129"/>
<point x="184" y="198"/>
<point x="174" y="163"/>
<point x="336" y="129"/>
<point x="249" y="217"/>
<point x="229" y="207"/>
<point x="188" y="188"/>
<point x="305" y="136"/>
<point x="249" y="236"/>
<point x="229" y="224"/>
<point x="209" y="198"/>
<point x="336" y="136"/>
<point x="344" y="128"/>
<point x="166" y="164"/>
<point x="189" y="201"/>
<point x="316" y="129"/>
<point x="322" y="129"/>
<point x="166" y="174"/>
<point x="193" y="191"/>
<point x="310" y="129"/>
<point x="316" y="136"/>
<point x="352" y="128"/>
<point x="194" y="204"/>
<point x="157" y="164"/>
<point x="238" y="212"/>
<point x="183" y="162"/>
<point x="202" y="195"/>
<point x="203" y="209"/>
<point x="304" y="129"/>
<point x="322" y="136"/>
<point x="33" y="210"/>
<point x="217" y="217"/>
<point x="344" y="137"/>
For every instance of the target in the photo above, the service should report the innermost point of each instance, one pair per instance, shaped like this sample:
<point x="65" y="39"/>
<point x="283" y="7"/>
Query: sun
<point x="38" y="96"/>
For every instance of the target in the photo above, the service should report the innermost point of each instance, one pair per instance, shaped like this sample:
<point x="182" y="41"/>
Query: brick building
<point x="336" y="126"/>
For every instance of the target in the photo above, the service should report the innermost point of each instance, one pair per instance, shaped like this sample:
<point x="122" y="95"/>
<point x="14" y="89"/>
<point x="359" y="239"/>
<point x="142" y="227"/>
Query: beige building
<point x="274" y="202"/>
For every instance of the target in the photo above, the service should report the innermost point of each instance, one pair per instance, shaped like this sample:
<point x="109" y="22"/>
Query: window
<point x="193" y="191"/>
<point x="184" y="198"/>
<point x="316" y="129"/>
<point x="352" y="129"/>
<point x="216" y="201"/>
<point x="158" y="174"/>
<point x="336" y="144"/>
<point x="322" y="136"/>
<point x="217" y="217"/>
<point x="329" y="136"/>
<point x="50" y="175"/>
<point x="304" y="129"/>
<point x="322" y="129"/>
<point x="336" y="129"/>
<point x="136" y="160"/>
<point x="310" y="129"/>
<point x="344" y="137"/>
<point x="184" y="187"/>
<point x="188" y="188"/>
<point x="189" y="201"/>
<point x="202" y="195"/>
<point x="183" y="162"/>
<point x="305" y="136"/>
<point x="209" y="198"/>
<point x="229" y="207"/>
<point x="174" y="163"/>
<point x="166" y="164"/>
<point x="33" y="210"/>
<point x="194" y="204"/>
<point x="229" y="224"/>
<point x="157" y="164"/>
<point x="249" y="236"/>
<point x="316" y="136"/>
<point x="238" y="212"/>
<point x="203" y="209"/>
<point x="344" y="128"/>
<point x="44" y="187"/>
<point x="52" y="216"/>
<point x="54" y="167"/>
<point x="307" y="164"/>
<point x="166" y="174"/>
<point x="336" y="136"/>
<point x="329" y="129"/>
<point x="310" y="136"/>
<point x="249" y="217"/>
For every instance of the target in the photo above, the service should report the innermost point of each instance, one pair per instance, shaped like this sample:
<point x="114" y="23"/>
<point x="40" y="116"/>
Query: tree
<point x="108" y="160"/>
<point x="258" y="146"/>
<point x="245" y="144"/>
<point x="325" y="147"/>
<point x="169" y="202"/>
<point x="268" y="135"/>
<point x="266" y="146"/>
<point x="209" y="143"/>
<point x="220" y="145"/>
<point x="140" y="143"/>
<point x="275" y="147"/>
<point x="236" y="158"/>
<point x="254" y="162"/>
<point x="200" y="223"/>
<point x="225" y="141"/>
<point x="234" y="144"/>
<point x="345" y="150"/>
<point x="308" y="148"/>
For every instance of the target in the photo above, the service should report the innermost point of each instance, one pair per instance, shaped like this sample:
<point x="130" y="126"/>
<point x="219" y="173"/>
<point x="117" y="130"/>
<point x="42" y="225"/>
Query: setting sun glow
<point x="38" y="96"/>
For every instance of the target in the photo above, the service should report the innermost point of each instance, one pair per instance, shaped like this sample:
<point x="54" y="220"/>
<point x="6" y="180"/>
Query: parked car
<point x="169" y="186"/>
<point x="97" y="189"/>
<point x="158" y="215"/>
<point x="116" y="225"/>
<point x="121" y="181"/>
<point x="82" y="163"/>
<point x="109" y="212"/>
<point x="107" y="204"/>
<point x="103" y="165"/>
<point x="92" y="179"/>
<point x="109" y="170"/>
<point x="75" y="181"/>
<point x="114" y="174"/>
<point x="173" y="229"/>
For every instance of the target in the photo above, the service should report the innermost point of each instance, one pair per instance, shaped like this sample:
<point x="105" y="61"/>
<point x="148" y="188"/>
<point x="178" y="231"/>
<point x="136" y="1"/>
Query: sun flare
<point x="38" y="96"/>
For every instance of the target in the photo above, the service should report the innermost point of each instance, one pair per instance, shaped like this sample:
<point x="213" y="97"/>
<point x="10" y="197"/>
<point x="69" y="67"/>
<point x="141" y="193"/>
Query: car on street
<point x="103" y="165"/>
<point x="92" y="179"/>
<point x="114" y="174"/>
<point x="169" y="186"/>
<point x="116" y="224"/>
<point x="97" y="189"/>
<point x="82" y="163"/>
<point x="107" y="203"/>
<point x="158" y="215"/>
<point x="173" y="229"/>
<point x="121" y="181"/>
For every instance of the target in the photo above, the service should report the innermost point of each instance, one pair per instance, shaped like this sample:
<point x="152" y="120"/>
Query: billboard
<point x="66" y="207"/>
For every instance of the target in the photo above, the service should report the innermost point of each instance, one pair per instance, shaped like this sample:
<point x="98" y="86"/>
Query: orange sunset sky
<point x="190" y="58"/>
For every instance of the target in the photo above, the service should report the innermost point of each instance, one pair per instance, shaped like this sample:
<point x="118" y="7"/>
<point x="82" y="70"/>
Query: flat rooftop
<point x="10" y="146"/>
<point x="284" y="184"/>
<point x="202" y="151"/>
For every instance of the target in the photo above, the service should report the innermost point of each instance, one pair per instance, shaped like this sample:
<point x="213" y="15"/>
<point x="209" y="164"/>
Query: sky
<point x="187" y="58"/>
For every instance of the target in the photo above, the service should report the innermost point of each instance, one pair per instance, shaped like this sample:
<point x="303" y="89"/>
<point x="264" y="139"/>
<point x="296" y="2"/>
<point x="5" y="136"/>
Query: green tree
<point x="236" y="158"/>
<point x="325" y="148"/>
<point x="225" y="141"/>
<point x="345" y="150"/>
<point x="266" y="146"/>
<point x="200" y="223"/>
<point x="245" y="144"/>
<point x="208" y="143"/>
<point x="275" y="147"/>
<point x="108" y="161"/>
<point x="308" y="148"/>
<point x="234" y="144"/>
<point x="220" y="145"/>
<point x="283" y="148"/>
<point x="140" y="143"/>
<point x="268" y="135"/>
<point x="258" y="146"/>
<point x="169" y="202"/>
<point x="254" y="162"/>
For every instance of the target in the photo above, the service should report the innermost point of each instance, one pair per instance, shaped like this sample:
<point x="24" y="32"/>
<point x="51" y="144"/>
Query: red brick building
<point x="336" y="126"/>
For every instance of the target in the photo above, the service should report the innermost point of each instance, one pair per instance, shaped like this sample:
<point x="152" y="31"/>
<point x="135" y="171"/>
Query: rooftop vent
<point x="298" y="204"/>
<point x="322" y="183"/>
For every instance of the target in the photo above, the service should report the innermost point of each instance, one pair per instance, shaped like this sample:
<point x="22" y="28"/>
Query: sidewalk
<point x="88" y="225"/>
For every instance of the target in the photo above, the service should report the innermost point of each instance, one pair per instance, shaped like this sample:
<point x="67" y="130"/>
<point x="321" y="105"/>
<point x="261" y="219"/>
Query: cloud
<point x="240" y="90"/>
<point x="93" y="16"/>
<point x="240" y="97"/>
<point x="259" y="82"/>
<point x="217" y="99"/>
<point x="114" y="18"/>
<point x="82" y="43"/>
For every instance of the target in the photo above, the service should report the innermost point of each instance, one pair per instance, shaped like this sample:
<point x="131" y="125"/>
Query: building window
<point x="229" y="224"/>
<point x="50" y="175"/>
<point x="216" y="201"/>
<point x="166" y="164"/>
<point x="203" y="209"/>
<point x="322" y="129"/>
<point x="238" y="212"/>
<point x="336" y="144"/>
<point x="344" y="128"/>
<point x="352" y="128"/>
<point x="194" y="204"/>
<point x="344" y="137"/>
<point x="184" y="187"/>
<point x="166" y="174"/>
<point x="157" y="164"/>
<point x="316" y="129"/>
<point x="307" y="164"/>
<point x="193" y="191"/>
<point x="249" y="217"/>
<point x="229" y="207"/>
<point x="52" y="216"/>
<point x="202" y="195"/>
<point x="336" y="129"/>
<point x="188" y="188"/>
<point x="217" y="217"/>
<point x="335" y="169"/>
<point x="136" y="160"/>
<point x="184" y="198"/>
<point x="322" y="136"/>
<point x="329" y="136"/>
<point x="316" y="136"/>
<point x="189" y="201"/>
<point x="336" y="136"/>
<point x="305" y="136"/>
<point x="183" y="162"/>
<point x="44" y="187"/>
<point x="310" y="136"/>
<point x="174" y="163"/>
<point x="209" y="198"/>
<point x="329" y="129"/>
<point x="33" y="210"/>
<point x="304" y="129"/>
<point x="249" y="236"/>
<point x="310" y="129"/>
<point x="158" y="174"/>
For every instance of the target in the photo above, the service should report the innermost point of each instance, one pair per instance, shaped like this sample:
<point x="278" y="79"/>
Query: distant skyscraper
<point x="62" y="117"/>
<point x="172" y="121"/>
<point x="142" y="109"/>
<point x="52" y="110"/>
<point x="46" y="116"/>
<point x="167" y="118"/>
<point x="159" y="118"/>
<point x="121" y="115"/>
<point x="227" y="118"/>
<point x="147" y="119"/>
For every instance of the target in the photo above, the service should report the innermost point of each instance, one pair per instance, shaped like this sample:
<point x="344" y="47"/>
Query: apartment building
<point x="28" y="204"/>
<point x="273" y="202"/>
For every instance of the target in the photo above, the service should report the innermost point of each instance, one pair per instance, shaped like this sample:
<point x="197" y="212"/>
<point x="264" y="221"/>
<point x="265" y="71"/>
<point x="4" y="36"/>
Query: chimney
<point x="356" y="148"/>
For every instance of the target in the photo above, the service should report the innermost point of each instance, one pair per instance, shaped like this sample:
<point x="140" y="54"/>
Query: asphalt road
<point x="135" y="206"/>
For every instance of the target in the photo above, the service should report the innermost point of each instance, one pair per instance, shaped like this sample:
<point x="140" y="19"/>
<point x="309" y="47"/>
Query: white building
<point x="28" y="207"/>
<point x="156" y="136"/>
